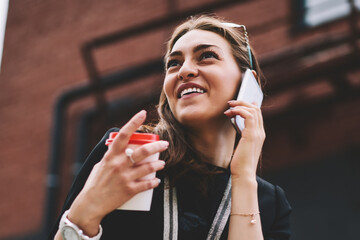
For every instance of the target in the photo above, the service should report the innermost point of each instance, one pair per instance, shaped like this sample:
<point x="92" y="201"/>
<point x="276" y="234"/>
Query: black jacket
<point x="196" y="212"/>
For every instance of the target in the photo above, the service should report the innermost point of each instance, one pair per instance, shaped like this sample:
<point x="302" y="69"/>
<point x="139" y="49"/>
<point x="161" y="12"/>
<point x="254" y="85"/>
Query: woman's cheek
<point x="168" y="85"/>
<point x="169" y="90"/>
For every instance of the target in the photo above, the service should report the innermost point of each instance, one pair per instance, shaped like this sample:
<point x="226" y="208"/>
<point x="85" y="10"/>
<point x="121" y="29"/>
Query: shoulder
<point x="94" y="157"/>
<point x="274" y="208"/>
<point x="268" y="190"/>
<point x="96" y="154"/>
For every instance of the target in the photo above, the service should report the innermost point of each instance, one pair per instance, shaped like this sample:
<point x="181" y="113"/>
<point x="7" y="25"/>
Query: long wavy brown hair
<point x="183" y="161"/>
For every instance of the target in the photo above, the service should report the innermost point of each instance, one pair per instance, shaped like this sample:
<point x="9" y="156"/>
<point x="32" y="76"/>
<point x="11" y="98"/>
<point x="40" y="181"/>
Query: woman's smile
<point x="187" y="90"/>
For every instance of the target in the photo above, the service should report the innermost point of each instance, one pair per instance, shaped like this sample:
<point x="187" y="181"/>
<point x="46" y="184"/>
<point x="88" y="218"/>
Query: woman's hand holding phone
<point x="247" y="152"/>
<point x="246" y="117"/>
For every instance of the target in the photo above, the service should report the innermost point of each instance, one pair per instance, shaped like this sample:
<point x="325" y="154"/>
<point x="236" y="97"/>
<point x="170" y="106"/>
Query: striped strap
<point x="222" y="215"/>
<point x="171" y="213"/>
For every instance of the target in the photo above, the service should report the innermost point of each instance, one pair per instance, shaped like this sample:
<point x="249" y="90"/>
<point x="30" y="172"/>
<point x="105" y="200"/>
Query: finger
<point x="143" y="185"/>
<point x="255" y="110"/>
<point x="248" y="114"/>
<point x="253" y="105"/>
<point x="140" y="171"/>
<point x="259" y="117"/>
<point x="234" y="103"/>
<point x="232" y="112"/>
<point x="149" y="149"/>
<point x="259" y="114"/>
<point x="250" y="107"/>
<point x="122" y="138"/>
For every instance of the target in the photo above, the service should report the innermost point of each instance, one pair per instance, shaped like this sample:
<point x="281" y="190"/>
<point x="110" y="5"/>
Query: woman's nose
<point x="188" y="70"/>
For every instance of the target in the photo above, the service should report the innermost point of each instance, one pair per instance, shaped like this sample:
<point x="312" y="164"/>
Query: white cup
<point x="142" y="200"/>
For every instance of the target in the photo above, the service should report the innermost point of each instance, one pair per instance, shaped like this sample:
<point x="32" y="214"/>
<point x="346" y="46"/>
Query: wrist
<point x="244" y="195"/>
<point x="244" y="180"/>
<point x="86" y="216"/>
<point x="71" y="231"/>
<point x="243" y="176"/>
<point x="89" y="225"/>
<point x="243" y="165"/>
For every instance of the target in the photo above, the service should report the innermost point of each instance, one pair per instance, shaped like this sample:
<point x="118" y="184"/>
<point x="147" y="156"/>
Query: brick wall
<point x="42" y="59"/>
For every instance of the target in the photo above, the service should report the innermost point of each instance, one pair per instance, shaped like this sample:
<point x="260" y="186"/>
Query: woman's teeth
<point x="191" y="90"/>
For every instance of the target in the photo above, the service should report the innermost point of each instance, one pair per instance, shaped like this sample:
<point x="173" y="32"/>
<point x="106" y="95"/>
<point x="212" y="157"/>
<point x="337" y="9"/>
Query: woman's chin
<point x="200" y="120"/>
<point x="192" y="119"/>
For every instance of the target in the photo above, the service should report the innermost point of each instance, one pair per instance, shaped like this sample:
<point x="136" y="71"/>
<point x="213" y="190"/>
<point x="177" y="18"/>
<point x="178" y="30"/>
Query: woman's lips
<point x="190" y="95"/>
<point x="188" y="89"/>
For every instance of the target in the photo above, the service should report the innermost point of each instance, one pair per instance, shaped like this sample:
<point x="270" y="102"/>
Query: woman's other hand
<point x="247" y="153"/>
<point x="115" y="179"/>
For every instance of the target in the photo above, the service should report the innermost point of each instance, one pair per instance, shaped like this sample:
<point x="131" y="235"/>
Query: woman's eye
<point x="172" y="63"/>
<point x="206" y="55"/>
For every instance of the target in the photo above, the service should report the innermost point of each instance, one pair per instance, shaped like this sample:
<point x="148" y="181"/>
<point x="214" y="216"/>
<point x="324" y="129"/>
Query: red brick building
<point x="309" y="54"/>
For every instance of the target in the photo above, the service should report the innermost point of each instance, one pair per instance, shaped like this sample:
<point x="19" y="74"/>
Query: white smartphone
<point x="249" y="92"/>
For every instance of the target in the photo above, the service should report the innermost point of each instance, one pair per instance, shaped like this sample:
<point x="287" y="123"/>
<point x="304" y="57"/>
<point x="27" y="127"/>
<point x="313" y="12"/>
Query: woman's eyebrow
<point x="196" y="49"/>
<point x="203" y="46"/>
<point x="176" y="53"/>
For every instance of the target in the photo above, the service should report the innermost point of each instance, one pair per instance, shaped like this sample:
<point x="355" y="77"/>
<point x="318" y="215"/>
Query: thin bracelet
<point x="252" y="215"/>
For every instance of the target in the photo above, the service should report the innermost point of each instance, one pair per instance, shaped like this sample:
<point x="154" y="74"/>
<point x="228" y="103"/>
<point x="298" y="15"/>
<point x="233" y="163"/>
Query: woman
<point x="210" y="171"/>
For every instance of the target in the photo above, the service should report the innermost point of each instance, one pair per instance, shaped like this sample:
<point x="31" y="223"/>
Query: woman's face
<point x="201" y="76"/>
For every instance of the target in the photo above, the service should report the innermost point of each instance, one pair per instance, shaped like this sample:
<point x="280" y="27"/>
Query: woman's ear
<point x="255" y="74"/>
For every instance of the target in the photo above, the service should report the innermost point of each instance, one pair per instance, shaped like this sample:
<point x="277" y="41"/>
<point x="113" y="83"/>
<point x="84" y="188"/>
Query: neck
<point x="215" y="143"/>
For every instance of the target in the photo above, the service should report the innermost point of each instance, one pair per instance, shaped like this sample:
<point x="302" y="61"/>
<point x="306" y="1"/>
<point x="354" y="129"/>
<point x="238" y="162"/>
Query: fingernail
<point x="231" y="101"/>
<point x="164" y="144"/>
<point x="159" y="180"/>
<point x="162" y="162"/>
<point x="142" y="113"/>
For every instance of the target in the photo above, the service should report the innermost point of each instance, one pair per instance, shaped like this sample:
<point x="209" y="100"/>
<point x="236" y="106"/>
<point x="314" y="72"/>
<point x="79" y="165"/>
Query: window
<point x="318" y="12"/>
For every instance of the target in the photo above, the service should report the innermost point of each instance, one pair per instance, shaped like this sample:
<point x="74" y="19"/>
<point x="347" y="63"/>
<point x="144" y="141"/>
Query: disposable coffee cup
<point x="142" y="200"/>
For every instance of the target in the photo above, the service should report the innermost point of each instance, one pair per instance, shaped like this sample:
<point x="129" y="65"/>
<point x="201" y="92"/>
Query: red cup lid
<point x="136" y="138"/>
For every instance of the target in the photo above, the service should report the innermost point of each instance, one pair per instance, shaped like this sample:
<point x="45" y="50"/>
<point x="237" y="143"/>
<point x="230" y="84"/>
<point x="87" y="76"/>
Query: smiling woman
<point x="206" y="187"/>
